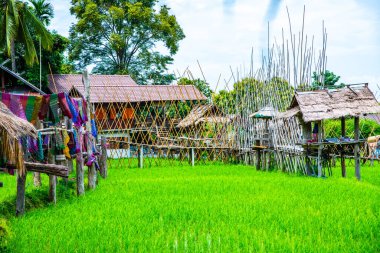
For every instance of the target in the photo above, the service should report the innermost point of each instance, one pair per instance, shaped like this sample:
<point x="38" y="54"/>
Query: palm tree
<point x="43" y="11"/>
<point x="17" y="21"/>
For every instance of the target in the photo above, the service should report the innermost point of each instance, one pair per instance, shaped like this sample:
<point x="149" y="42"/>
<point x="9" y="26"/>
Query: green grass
<point x="220" y="208"/>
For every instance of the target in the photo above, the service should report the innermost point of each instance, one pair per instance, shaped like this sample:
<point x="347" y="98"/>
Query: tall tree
<point x="123" y="37"/>
<point x="17" y="24"/>
<point x="43" y="10"/>
<point x="327" y="79"/>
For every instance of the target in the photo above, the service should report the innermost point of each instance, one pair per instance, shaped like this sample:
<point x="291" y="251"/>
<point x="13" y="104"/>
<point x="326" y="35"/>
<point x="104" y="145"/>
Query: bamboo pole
<point x="91" y="168"/>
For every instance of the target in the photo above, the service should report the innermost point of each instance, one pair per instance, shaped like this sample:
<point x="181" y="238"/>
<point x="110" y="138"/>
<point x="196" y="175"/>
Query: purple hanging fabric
<point x="6" y="99"/>
<point x="15" y="106"/>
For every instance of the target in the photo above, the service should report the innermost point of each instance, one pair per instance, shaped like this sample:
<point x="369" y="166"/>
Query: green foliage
<point x="18" y="24"/>
<point x="42" y="10"/>
<point x="207" y="208"/>
<point x="201" y="85"/>
<point x="122" y="37"/>
<point x="178" y="110"/>
<point x="329" y="80"/>
<point x="254" y="90"/>
<point x="367" y="128"/>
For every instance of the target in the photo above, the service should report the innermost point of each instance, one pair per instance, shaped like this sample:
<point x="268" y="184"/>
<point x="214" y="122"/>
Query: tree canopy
<point x="124" y="37"/>
<point x="326" y="80"/>
<point x="18" y="24"/>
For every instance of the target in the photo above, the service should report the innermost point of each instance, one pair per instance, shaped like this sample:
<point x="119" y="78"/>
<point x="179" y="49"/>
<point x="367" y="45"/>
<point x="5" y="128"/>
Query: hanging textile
<point x="72" y="144"/>
<point x="54" y="107"/>
<point x="64" y="105"/>
<point x="30" y="107"/>
<point x="44" y="107"/>
<point x="37" y="107"/>
<point x="72" y="109"/>
<point x="94" y="130"/>
<point x="16" y="106"/>
<point x="66" y="140"/>
<point x="6" y="99"/>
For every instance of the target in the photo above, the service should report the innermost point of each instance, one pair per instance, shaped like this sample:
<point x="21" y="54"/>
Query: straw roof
<point x="324" y="104"/>
<point x="267" y="112"/>
<point x="13" y="125"/>
<point x="215" y="120"/>
<point x="197" y="113"/>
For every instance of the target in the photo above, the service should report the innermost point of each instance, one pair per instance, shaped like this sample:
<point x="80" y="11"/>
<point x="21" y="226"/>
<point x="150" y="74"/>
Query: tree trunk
<point x="13" y="55"/>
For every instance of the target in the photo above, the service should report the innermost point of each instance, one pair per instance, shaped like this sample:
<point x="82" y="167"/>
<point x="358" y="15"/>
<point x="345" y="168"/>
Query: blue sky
<point x="222" y="33"/>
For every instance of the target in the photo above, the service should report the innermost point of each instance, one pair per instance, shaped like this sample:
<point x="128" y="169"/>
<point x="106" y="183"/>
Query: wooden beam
<point x="357" y="149"/>
<point x="342" y="158"/>
<point x="258" y="155"/>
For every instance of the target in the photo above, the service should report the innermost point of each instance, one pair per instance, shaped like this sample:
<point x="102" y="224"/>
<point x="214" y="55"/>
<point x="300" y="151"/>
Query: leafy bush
<point x="367" y="128"/>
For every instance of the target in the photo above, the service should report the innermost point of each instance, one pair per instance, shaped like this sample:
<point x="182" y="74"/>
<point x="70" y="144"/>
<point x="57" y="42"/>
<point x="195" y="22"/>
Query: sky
<point x="221" y="34"/>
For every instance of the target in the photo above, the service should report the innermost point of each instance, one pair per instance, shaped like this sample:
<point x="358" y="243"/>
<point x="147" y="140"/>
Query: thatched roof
<point x="267" y="112"/>
<point x="13" y="125"/>
<point x="213" y="119"/>
<point x="197" y="113"/>
<point x="324" y="104"/>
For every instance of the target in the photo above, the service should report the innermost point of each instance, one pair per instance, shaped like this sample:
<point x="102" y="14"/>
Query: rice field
<point x="213" y="208"/>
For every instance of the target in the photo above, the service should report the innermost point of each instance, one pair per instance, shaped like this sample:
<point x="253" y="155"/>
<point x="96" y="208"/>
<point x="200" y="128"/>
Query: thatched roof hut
<point x="12" y="128"/>
<point x="203" y="114"/>
<point x="319" y="105"/>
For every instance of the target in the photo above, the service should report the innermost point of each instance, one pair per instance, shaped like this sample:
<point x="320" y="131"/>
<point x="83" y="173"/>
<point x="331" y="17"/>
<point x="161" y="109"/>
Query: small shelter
<point x="313" y="107"/>
<point x="261" y="138"/>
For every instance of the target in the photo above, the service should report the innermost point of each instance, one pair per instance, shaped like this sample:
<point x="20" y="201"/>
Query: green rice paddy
<point x="209" y="208"/>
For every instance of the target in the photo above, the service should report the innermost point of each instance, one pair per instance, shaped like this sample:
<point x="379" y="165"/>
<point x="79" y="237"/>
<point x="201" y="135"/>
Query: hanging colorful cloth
<point x="16" y="107"/>
<point x="54" y="107"/>
<point x="66" y="140"/>
<point x="94" y="130"/>
<point x="73" y="142"/>
<point x="6" y="99"/>
<point x="42" y="114"/>
<point x="30" y="107"/>
<point x="72" y="109"/>
<point x="40" y="154"/>
<point x="64" y="105"/>
<point x="37" y="108"/>
<point x="85" y="119"/>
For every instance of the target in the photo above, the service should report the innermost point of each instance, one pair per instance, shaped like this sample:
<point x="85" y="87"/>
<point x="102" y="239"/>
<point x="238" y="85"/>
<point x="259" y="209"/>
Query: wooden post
<point x="79" y="165"/>
<point x="320" y="147"/>
<point x="103" y="158"/>
<point x="141" y="156"/>
<point x="258" y="155"/>
<point x="192" y="157"/>
<point x="37" y="175"/>
<point x="20" y="200"/>
<point x="342" y="158"/>
<point x="306" y="131"/>
<point x="356" y="149"/>
<point x="91" y="169"/>
<point x="52" y="182"/>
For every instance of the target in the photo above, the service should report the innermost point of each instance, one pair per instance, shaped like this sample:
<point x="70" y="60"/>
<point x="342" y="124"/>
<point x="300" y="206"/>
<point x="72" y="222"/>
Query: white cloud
<point x="220" y="40"/>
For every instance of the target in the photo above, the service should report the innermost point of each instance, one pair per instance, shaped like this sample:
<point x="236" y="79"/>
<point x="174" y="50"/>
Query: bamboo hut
<point x="311" y="108"/>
